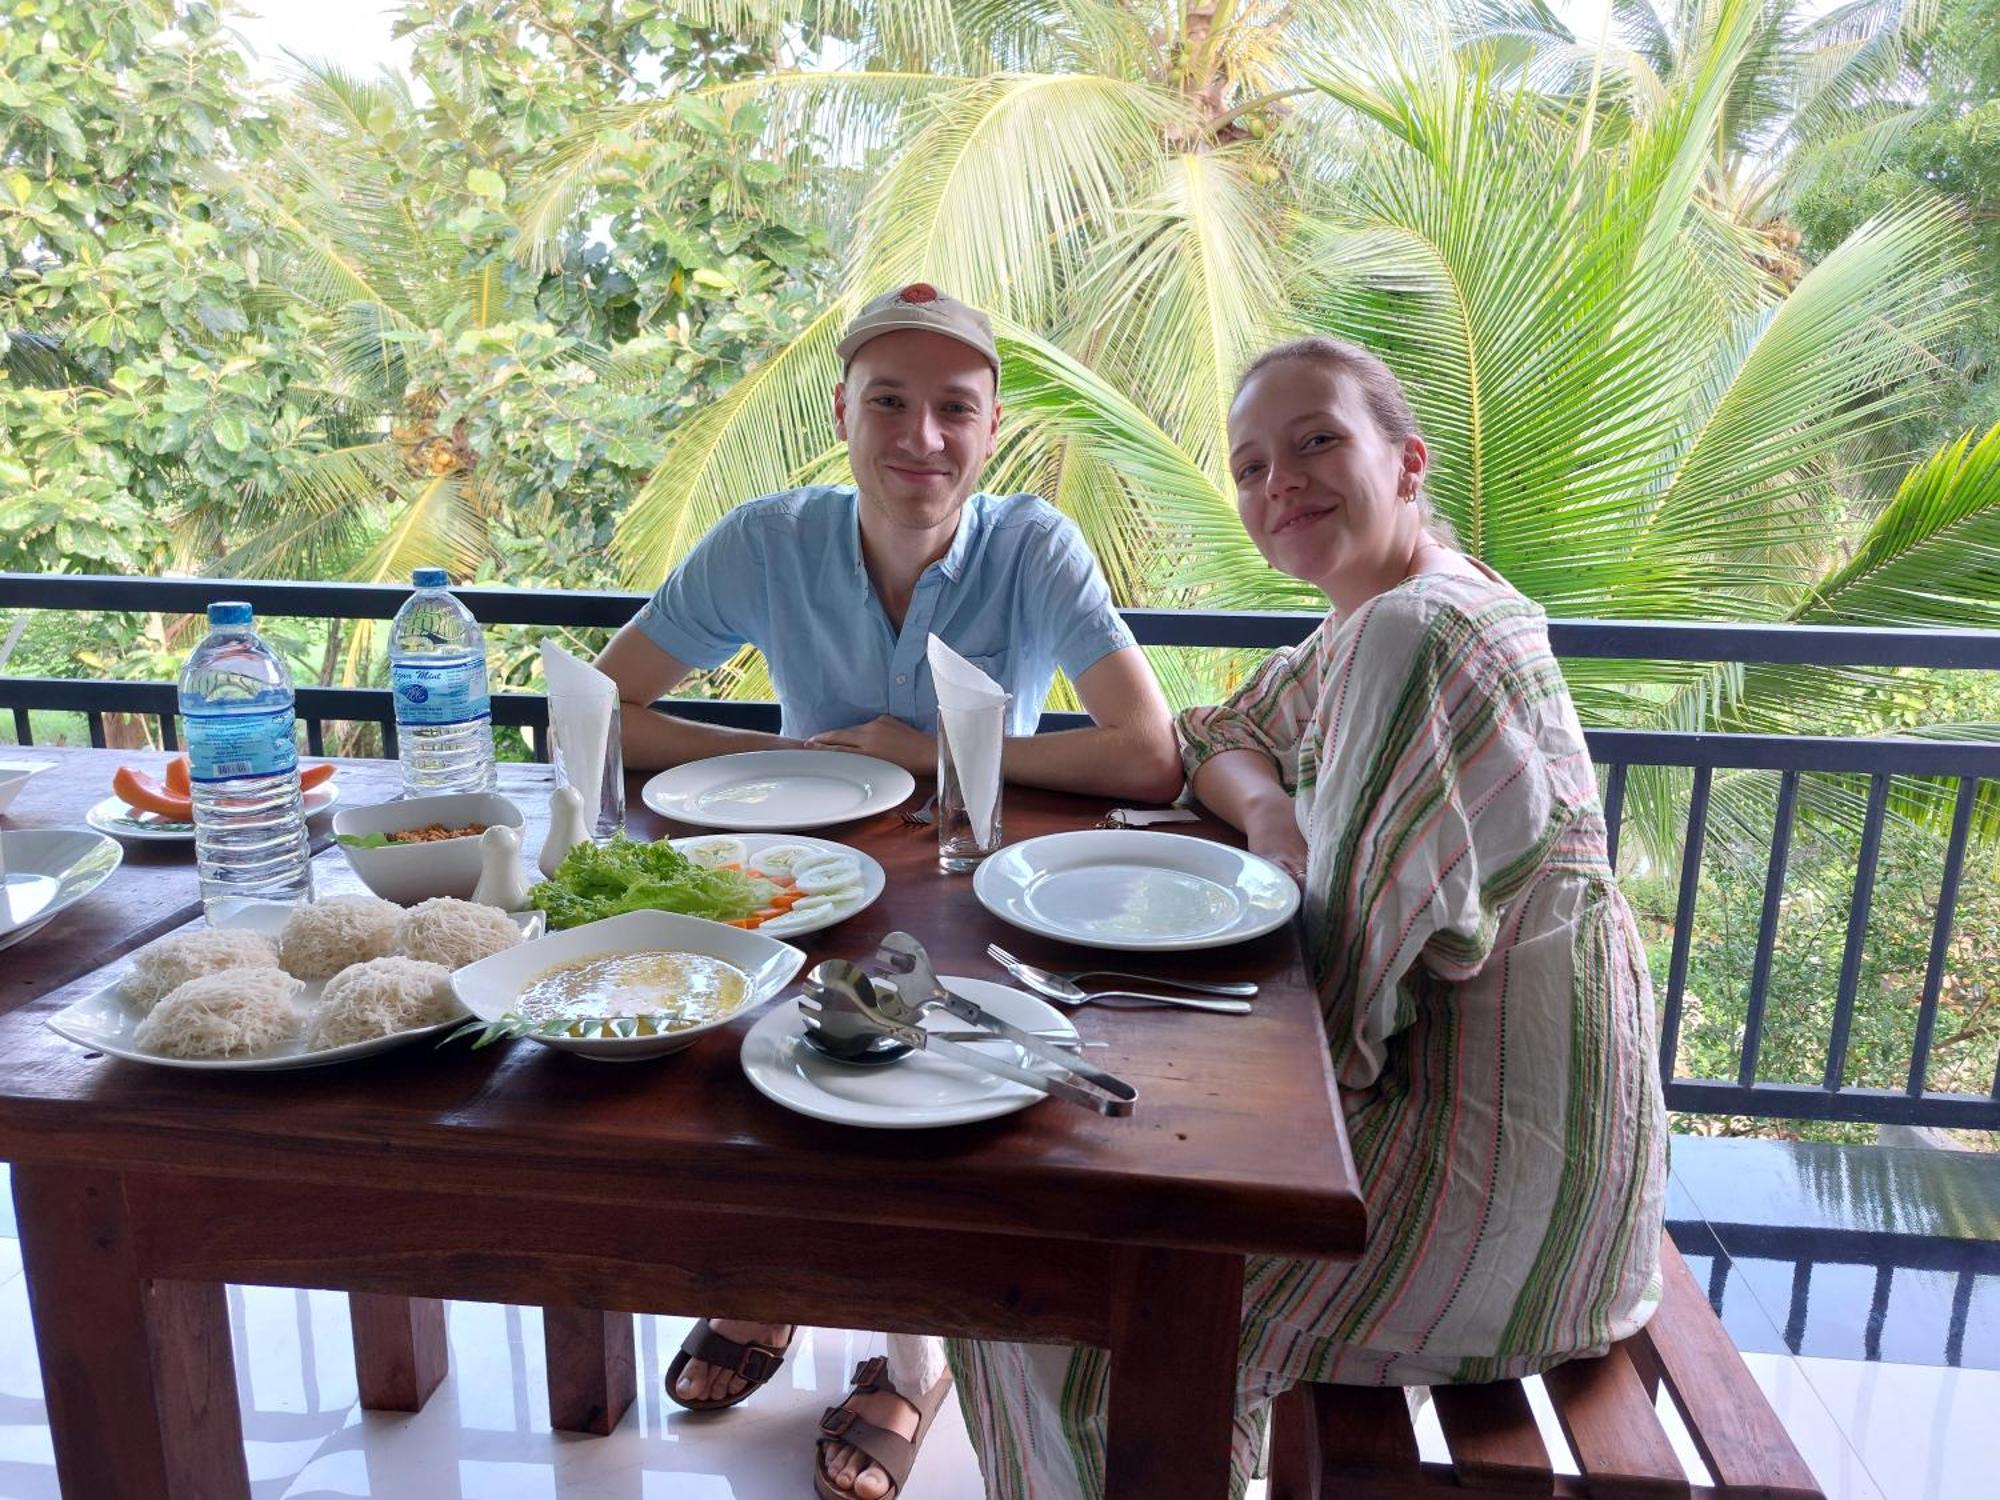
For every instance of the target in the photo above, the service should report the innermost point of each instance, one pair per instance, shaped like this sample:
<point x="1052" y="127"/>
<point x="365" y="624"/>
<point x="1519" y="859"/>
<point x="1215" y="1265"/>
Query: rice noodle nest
<point x="163" y="967"/>
<point x="236" y="1013"/>
<point x="380" y="998"/>
<point x="445" y="930"/>
<point x="323" y="937"/>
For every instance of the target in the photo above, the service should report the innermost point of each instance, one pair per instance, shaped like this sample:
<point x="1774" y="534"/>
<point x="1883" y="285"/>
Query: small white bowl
<point x="490" y="987"/>
<point x="409" y="873"/>
<point x="14" y="775"/>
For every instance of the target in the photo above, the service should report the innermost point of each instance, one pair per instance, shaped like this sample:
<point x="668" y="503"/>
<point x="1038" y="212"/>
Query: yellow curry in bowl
<point x="662" y="991"/>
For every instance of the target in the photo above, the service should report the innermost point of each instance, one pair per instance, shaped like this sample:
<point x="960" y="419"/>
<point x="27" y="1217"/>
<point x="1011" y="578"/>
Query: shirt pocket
<point x="997" y="665"/>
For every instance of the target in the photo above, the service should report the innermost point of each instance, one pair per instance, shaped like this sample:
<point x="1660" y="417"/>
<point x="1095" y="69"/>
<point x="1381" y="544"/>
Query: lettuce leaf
<point x="595" y="881"/>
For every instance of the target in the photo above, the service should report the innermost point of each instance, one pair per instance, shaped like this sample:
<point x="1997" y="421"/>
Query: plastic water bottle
<point x="437" y="665"/>
<point x="249" y="825"/>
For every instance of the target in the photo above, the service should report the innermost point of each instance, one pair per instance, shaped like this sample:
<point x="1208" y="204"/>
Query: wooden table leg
<point x="1174" y="1330"/>
<point x="138" y="1374"/>
<point x="400" y="1351"/>
<point x="593" y="1368"/>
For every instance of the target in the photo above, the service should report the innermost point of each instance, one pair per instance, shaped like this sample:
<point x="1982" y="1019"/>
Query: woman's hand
<point x="1273" y="832"/>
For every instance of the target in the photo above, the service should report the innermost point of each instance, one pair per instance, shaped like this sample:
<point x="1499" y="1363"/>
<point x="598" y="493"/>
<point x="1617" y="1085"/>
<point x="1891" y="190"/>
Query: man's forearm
<point x="1103" y="761"/>
<point x="654" y="741"/>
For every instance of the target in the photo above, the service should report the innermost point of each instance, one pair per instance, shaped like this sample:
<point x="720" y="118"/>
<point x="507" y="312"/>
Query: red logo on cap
<point x="918" y="291"/>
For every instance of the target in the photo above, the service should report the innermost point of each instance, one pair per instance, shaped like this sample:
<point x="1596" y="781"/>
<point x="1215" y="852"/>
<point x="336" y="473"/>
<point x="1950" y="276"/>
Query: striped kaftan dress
<point x="1490" y="1019"/>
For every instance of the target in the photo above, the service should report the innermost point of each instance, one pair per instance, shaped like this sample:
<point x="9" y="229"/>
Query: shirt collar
<point x="956" y="558"/>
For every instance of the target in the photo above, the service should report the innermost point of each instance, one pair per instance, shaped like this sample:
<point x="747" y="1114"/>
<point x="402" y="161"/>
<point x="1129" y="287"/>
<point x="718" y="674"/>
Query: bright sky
<point x="355" y="33"/>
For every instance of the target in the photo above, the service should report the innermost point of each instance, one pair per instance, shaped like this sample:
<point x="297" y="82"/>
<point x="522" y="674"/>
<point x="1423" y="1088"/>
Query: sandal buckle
<point x="835" y="1420"/>
<point x="870" y="1373"/>
<point x="758" y="1365"/>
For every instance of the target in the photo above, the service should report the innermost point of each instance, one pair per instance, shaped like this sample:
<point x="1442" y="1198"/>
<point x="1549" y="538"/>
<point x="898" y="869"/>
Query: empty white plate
<point x="778" y="789"/>
<point x="1136" y="890"/>
<point x="104" y="1021"/>
<point x="916" y="1093"/>
<point x="45" y="871"/>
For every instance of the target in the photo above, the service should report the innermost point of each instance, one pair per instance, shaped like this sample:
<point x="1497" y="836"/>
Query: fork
<point x="1007" y="961"/>
<point x="921" y="817"/>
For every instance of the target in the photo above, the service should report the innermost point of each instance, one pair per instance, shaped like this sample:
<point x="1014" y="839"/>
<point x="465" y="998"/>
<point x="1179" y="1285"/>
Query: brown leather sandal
<point x="892" y="1453"/>
<point x="754" y="1363"/>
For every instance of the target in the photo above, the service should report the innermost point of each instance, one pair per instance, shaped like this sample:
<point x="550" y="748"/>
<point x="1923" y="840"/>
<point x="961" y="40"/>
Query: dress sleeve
<point x="1436" y="802"/>
<point x="1268" y="713"/>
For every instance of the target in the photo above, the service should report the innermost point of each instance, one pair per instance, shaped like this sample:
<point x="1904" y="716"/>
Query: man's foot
<point x="700" y="1381"/>
<point x="851" y="1470"/>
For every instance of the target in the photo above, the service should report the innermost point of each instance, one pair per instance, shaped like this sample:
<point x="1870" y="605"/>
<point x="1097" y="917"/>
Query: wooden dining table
<point x="526" y="1175"/>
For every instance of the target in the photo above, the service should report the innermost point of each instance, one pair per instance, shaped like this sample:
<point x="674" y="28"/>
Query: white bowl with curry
<point x="640" y="984"/>
<point x="419" y="847"/>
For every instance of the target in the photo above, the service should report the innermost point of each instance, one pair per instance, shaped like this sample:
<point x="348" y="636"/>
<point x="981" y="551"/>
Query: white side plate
<point x="104" y="1022"/>
<point x="774" y="790"/>
<point x="918" y="1093"/>
<point x="45" y="871"/>
<point x="1136" y="890"/>
<point x="114" y="817"/>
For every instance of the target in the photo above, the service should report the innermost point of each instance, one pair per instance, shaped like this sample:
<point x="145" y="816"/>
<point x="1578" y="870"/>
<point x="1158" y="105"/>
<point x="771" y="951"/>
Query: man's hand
<point x="886" y="739"/>
<point x="1275" y="835"/>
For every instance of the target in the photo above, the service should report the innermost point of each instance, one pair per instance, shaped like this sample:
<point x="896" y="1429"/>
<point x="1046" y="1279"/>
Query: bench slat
<point x="1739" y="1437"/>
<point x="1491" y="1432"/>
<point x="1614" y="1431"/>
<point x="1363" y="1428"/>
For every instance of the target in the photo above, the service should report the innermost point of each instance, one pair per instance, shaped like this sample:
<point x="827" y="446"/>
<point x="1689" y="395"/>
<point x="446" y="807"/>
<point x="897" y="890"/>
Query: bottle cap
<point x="430" y="578"/>
<point x="230" y="612"/>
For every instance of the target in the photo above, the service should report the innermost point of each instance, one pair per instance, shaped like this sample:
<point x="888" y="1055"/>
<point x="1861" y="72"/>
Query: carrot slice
<point x="146" y="793"/>
<point x="176" y="777"/>
<point x="312" y="776"/>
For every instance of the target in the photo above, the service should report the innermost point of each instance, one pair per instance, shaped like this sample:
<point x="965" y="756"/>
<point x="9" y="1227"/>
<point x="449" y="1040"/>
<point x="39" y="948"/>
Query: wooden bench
<point x="1356" y="1442"/>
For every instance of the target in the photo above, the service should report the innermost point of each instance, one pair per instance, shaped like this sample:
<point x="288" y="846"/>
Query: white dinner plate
<point x="104" y="1022"/>
<point x="1137" y="890"/>
<point x="873" y="880"/>
<point x="47" y="871"/>
<point x="113" y="816"/>
<point x="772" y="790"/>
<point x="917" y="1093"/>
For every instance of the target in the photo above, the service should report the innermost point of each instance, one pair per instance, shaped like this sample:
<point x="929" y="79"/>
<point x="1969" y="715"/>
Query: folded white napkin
<point x="972" y="708"/>
<point x="581" y="699"/>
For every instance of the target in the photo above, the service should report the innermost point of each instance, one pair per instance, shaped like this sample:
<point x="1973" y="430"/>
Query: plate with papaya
<point x="145" y="806"/>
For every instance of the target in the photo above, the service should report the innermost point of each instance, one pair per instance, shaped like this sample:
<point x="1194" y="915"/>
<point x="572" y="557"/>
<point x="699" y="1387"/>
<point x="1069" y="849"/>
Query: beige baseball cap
<point x="921" y="306"/>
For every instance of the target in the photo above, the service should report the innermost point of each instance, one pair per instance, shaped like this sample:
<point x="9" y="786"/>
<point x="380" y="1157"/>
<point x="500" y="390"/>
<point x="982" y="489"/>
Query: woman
<point x="1418" y="765"/>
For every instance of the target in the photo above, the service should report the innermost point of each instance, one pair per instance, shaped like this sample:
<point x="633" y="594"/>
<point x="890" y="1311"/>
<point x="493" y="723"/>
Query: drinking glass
<point x="960" y="848"/>
<point x="603" y="787"/>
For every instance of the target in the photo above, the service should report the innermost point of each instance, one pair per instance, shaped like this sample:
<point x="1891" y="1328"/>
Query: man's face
<point x="920" y="413"/>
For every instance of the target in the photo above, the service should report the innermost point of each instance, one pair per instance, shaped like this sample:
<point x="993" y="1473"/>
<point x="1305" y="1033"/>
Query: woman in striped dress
<point x="1418" y="764"/>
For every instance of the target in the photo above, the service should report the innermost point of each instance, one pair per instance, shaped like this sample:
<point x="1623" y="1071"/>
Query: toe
<point x="693" y="1380"/>
<point x="872" y="1484"/>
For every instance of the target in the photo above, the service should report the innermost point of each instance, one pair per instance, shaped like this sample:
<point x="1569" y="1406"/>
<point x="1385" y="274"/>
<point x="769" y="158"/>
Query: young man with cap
<point x="840" y="587"/>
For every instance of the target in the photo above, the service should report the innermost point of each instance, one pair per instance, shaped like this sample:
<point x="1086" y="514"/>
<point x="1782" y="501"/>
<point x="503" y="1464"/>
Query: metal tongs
<point x="845" y="1005"/>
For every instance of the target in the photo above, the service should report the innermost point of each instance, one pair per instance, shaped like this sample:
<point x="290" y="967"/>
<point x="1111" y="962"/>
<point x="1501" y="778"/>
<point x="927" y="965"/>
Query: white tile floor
<point x="1870" y="1431"/>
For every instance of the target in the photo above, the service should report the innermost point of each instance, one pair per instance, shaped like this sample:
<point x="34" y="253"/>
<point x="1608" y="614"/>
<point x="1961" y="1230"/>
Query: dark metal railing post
<point x="1614" y="812"/>
<point x="1954" y="862"/>
<point x="1691" y="846"/>
<point x="1857" y="930"/>
<point x="1767" y="926"/>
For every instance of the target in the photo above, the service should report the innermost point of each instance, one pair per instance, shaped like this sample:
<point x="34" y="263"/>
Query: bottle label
<point x="227" y="747"/>
<point x="439" y="693"/>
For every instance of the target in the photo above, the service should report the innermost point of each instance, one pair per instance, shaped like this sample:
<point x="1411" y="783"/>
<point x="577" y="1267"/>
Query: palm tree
<point x="1632" y="416"/>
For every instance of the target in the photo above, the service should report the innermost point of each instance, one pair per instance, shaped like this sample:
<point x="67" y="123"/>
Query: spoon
<point x="1066" y="992"/>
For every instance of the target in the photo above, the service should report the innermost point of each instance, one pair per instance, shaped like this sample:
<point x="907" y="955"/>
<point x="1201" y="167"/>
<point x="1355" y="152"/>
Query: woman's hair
<point x="1380" y="390"/>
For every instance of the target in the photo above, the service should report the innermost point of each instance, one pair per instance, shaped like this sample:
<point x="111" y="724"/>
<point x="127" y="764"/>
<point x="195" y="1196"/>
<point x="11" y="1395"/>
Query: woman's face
<point x="1324" y="493"/>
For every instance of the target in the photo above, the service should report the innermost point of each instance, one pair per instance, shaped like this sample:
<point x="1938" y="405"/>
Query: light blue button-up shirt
<point x="1018" y="594"/>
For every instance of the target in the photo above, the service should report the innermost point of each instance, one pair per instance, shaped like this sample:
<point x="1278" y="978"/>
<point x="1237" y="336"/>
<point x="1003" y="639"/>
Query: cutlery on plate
<point x="1070" y="977"/>
<point x="1065" y="992"/>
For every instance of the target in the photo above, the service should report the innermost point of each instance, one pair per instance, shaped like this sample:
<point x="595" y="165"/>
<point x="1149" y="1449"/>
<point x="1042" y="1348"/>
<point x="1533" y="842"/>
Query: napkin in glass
<point x="972" y="712"/>
<point x="583" y="713"/>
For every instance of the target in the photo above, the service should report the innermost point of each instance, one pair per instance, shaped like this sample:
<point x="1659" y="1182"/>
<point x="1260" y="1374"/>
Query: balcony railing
<point x="1616" y="752"/>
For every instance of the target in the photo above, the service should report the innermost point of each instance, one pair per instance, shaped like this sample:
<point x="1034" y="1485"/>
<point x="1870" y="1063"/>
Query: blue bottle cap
<point x="230" y="612"/>
<point x="430" y="578"/>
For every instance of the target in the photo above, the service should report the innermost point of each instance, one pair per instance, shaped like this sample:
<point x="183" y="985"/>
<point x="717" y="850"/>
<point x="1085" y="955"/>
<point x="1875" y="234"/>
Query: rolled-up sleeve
<point x="711" y="605"/>
<point x="1268" y="713"/>
<point x="1072" y="602"/>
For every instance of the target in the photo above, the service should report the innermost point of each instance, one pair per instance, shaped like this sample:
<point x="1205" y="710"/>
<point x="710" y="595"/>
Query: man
<point x="840" y="588"/>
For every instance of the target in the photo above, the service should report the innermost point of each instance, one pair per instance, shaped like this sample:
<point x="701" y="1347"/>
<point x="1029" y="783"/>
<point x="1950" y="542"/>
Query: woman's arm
<point x="1242" y="788"/>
